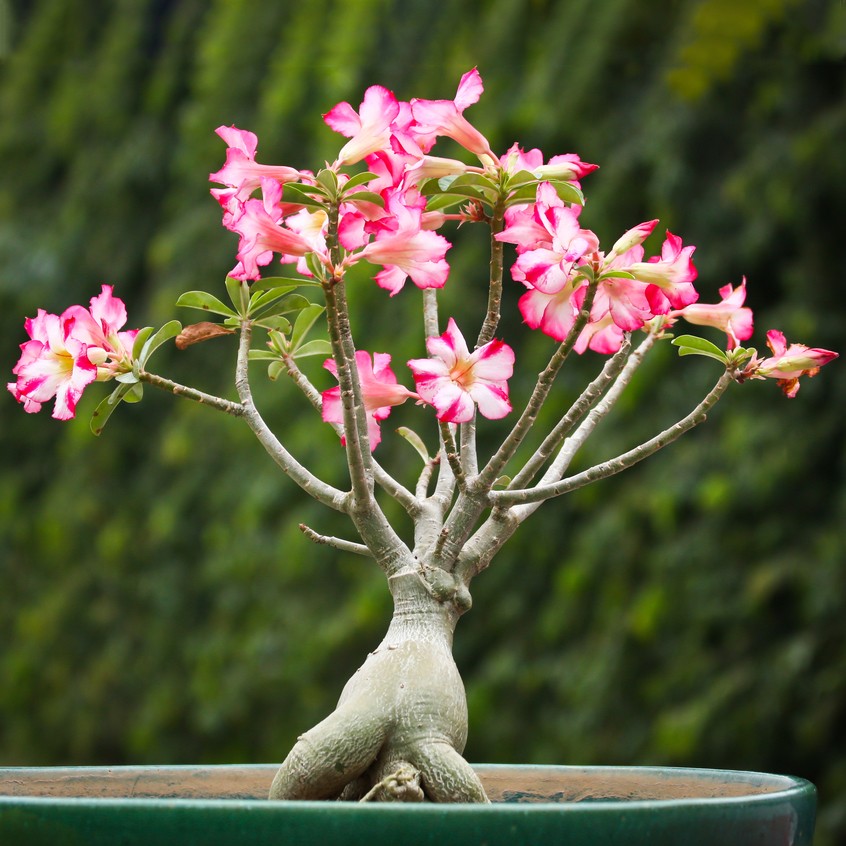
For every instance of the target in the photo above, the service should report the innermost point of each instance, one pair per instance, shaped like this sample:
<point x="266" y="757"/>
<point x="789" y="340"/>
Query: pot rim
<point x="748" y="787"/>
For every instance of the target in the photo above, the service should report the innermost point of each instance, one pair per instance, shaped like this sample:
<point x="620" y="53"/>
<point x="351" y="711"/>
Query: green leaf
<point x="104" y="410"/>
<point x="617" y="274"/>
<point x="296" y="193"/>
<point x="329" y="180"/>
<point x="315" y="265"/>
<point x="205" y="302"/>
<point x="365" y="197"/>
<point x="694" y="345"/>
<point x="135" y="393"/>
<point x="444" y="201"/>
<point x="569" y="193"/>
<point x="276" y="323"/>
<point x="318" y="347"/>
<point x="127" y="378"/>
<point x="170" y="330"/>
<point x="260" y="299"/>
<point x="305" y="320"/>
<point x="262" y="355"/>
<point x="239" y="293"/>
<point x="275" y="370"/>
<point x="359" y="179"/>
<point x="140" y="340"/>
<point x="416" y="441"/>
<point x="521" y="178"/>
<point x="281" y="282"/>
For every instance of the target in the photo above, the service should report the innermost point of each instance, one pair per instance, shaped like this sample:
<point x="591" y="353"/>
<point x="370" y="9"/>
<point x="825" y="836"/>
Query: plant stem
<point x="621" y="462"/>
<point x="217" y="403"/>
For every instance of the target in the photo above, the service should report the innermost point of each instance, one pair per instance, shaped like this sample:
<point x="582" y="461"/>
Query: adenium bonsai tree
<point x="401" y="723"/>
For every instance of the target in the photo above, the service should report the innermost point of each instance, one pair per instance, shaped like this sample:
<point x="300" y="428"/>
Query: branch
<point x="313" y="486"/>
<point x="337" y="543"/>
<point x="577" y="410"/>
<point x="387" y="482"/>
<point x="621" y="462"/>
<point x="219" y="404"/>
<point x="541" y="390"/>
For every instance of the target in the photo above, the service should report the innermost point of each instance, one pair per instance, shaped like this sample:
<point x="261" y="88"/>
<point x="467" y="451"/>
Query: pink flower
<point x="407" y="250"/>
<point x="242" y="172"/>
<point x="369" y="129"/>
<point x="674" y="272"/>
<point x="787" y="363"/>
<point x="729" y="314"/>
<point x="379" y="388"/>
<point x="454" y="380"/>
<point x="566" y="167"/>
<point x="99" y="329"/>
<point x="445" y="117"/>
<point x="550" y="244"/>
<point x="52" y="364"/>
<point x="259" y="223"/>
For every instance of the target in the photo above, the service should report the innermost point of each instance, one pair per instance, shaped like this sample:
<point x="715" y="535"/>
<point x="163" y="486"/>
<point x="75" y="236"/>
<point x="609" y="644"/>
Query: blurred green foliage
<point x="159" y="603"/>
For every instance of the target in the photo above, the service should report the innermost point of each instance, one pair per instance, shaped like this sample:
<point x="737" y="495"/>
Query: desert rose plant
<point x="401" y="722"/>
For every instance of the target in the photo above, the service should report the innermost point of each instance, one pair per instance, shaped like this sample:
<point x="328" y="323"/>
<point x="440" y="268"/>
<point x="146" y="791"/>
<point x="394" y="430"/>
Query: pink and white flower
<point x="407" y="250"/>
<point x="673" y="273"/>
<point x="99" y="328"/>
<point x="455" y="381"/>
<point x="729" y="315"/>
<point x="369" y="129"/>
<point x="380" y="391"/>
<point x="434" y="118"/>
<point x="242" y="173"/>
<point x="787" y="363"/>
<point x="52" y="364"/>
<point x="260" y="225"/>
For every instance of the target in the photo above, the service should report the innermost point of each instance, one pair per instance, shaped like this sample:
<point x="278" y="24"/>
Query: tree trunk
<point x="401" y="723"/>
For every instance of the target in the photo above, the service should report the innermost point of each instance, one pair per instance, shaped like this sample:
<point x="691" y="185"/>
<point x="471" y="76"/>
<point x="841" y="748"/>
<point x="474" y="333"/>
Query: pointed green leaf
<point x="296" y="193"/>
<point x="127" y="378"/>
<point x="694" y="345"/>
<point x="239" y="293"/>
<point x="323" y="348"/>
<point x="260" y="299"/>
<point x="275" y="370"/>
<point x="359" y="179"/>
<point x="276" y="323"/>
<point x="569" y="193"/>
<point x="262" y="355"/>
<point x="269" y="282"/>
<point x="444" y="201"/>
<point x="416" y="441"/>
<point x="315" y="265"/>
<point x="140" y="340"/>
<point x="170" y="330"/>
<point x="104" y="410"/>
<point x="135" y="393"/>
<point x="365" y="197"/>
<point x="205" y="302"/>
<point x="305" y="320"/>
<point x="329" y="180"/>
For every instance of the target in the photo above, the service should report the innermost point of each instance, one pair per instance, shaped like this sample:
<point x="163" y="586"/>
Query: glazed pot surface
<point x="577" y="806"/>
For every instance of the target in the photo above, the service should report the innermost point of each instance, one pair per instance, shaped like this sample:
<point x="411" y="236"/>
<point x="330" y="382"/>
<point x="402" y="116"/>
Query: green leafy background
<point x="159" y="603"/>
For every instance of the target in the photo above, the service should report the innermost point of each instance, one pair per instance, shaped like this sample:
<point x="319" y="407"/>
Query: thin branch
<point x="452" y="455"/>
<point x="387" y="482"/>
<point x="316" y="488"/>
<point x="587" y="399"/>
<point x="488" y="329"/>
<point x="357" y="442"/>
<point x="337" y="543"/>
<point x="509" y="446"/>
<point x="621" y="462"/>
<point x="574" y="443"/>
<point x="217" y="403"/>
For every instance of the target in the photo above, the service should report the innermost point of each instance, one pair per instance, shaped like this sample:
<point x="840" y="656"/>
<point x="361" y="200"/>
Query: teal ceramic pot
<point x="576" y="806"/>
